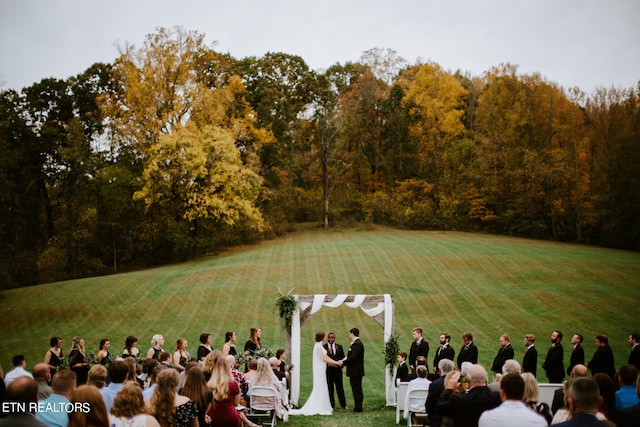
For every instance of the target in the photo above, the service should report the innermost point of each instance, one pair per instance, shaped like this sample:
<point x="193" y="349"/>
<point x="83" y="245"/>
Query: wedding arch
<point x="373" y="305"/>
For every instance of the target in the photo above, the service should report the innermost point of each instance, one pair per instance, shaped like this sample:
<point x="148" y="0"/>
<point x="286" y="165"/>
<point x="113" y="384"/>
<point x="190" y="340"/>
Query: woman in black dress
<point x="130" y="347"/>
<point x="104" y="357"/>
<point x="229" y="346"/>
<point x="205" y="346"/>
<point x="78" y="361"/>
<point x="54" y="355"/>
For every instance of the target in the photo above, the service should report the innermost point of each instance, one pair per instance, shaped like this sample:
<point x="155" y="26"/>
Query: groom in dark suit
<point x="334" y="373"/>
<point x="355" y="368"/>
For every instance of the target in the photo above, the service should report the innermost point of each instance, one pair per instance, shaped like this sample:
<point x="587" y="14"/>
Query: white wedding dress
<point x="318" y="402"/>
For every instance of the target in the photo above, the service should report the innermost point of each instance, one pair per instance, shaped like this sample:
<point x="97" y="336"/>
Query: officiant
<point x="334" y="373"/>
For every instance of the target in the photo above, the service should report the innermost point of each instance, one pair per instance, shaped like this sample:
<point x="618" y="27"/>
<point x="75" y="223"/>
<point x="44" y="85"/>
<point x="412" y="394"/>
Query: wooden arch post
<point x="380" y="307"/>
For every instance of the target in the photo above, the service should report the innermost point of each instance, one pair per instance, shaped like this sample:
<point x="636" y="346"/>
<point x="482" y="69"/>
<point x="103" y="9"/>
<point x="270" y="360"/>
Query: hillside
<point x="440" y="281"/>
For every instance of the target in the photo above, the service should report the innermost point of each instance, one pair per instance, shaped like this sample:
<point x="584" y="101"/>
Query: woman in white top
<point x="128" y="409"/>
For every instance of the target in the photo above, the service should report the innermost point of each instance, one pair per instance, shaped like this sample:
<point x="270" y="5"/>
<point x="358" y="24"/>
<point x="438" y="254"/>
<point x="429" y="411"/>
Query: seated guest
<point x="119" y="373"/>
<point x="195" y="388"/>
<point x="128" y="409"/>
<point x="509" y="366"/>
<point x="465" y="409"/>
<point x="531" y="397"/>
<point x="19" y="365"/>
<point x="237" y="375"/>
<point x="512" y="411"/>
<point x="583" y="403"/>
<point x="275" y="365"/>
<point x="434" y="417"/>
<point x="265" y="377"/>
<point x="209" y="363"/>
<point x="630" y="417"/>
<point x="63" y="385"/>
<point x="167" y="406"/>
<point x="23" y="392"/>
<point x="226" y="396"/>
<point x="626" y="396"/>
<point x="420" y="383"/>
<point x="90" y="398"/>
<point x="42" y="375"/>
<point x="97" y="376"/>
<point x="148" y="392"/>
<point x="420" y="361"/>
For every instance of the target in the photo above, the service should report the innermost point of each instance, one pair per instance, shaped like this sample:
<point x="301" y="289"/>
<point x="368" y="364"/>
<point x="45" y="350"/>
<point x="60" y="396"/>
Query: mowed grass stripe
<point x="440" y="281"/>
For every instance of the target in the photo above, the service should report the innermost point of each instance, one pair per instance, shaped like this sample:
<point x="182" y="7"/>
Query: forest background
<point x="175" y="150"/>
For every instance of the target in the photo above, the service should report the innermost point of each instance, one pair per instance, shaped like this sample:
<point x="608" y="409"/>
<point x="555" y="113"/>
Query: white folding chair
<point x="266" y="402"/>
<point x="401" y="393"/>
<point x="415" y="398"/>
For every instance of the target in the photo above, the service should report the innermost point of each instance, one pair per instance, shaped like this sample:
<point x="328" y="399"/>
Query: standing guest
<point x="167" y="406"/>
<point x="630" y="417"/>
<point x="195" y="388"/>
<point x="63" y="385"/>
<point x="530" y="359"/>
<point x="205" y="346"/>
<point x="445" y="351"/>
<point x="468" y="352"/>
<point x="19" y="365"/>
<point x="634" y="356"/>
<point x="226" y="396"/>
<point x="54" y="355"/>
<point x="554" y="362"/>
<point x="355" y="368"/>
<point x="531" y="397"/>
<point x="90" y="398"/>
<point x="466" y="408"/>
<point x="180" y="355"/>
<point x="104" y="357"/>
<point x="577" y="354"/>
<point x="402" y="373"/>
<point x="22" y="391"/>
<point x="130" y="347"/>
<point x="602" y="360"/>
<point x="97" y="376"/>
<point x="626" y="396"/>
<point x="129" y="410"/>
<point x="229" y="346"/>
<point x="504" y="353"/>
<point x="119" y="373"/>
<point x="157" y="341"/>
<point x="78" y="360"/>
<point x="254" y="342"/>
<point x="512" y="411"/>
<point x="583" y="403"/>
<point x="419" y="347"/>
<point x="335" y="352"/>
<point x="42" y="375"/>
<point x="434" y="417"/>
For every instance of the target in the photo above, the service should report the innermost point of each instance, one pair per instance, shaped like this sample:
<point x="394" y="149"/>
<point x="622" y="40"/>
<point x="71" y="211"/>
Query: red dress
<point x="224" y="414"/>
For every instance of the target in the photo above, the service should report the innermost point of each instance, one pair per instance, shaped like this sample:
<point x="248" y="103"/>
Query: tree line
<point x="175" y="150"/>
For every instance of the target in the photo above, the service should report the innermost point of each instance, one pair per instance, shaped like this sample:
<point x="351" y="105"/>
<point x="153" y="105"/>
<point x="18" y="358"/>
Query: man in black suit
<point x="504" y="353"/>
<point x="554" y="363"/>
<point x="355" y="368"/>
<point x="602" y="360"/>
<point x="334" y="372"/>
<point x="466" y="408"/>
<point x="469" y="351"/>
<point x="445" y="351"/>
<point x="419" y="347"/>
<point x="634" y="356"/>
<point x="436" y="388"/>
<point x="530" y="359"/>
<point x="577" y="355"/>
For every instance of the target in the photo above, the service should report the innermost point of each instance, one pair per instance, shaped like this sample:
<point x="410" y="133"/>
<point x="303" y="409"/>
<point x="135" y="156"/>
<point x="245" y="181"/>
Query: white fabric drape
<point x="385" y="307"/>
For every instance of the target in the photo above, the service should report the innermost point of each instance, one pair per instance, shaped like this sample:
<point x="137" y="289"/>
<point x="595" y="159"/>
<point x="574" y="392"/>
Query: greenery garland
<point x="286" y="305"/>
<point x="391" y="350"/>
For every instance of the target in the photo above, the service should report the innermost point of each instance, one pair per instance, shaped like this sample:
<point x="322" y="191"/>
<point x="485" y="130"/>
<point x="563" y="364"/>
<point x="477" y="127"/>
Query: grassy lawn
<point x="440" y="281"/>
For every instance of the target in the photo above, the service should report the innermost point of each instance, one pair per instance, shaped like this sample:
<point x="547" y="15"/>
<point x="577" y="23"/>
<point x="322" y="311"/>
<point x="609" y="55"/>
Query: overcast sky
<point x="584" y="43"/>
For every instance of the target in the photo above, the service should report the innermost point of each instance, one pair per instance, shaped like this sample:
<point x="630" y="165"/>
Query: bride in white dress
<point x="318" y="402"/>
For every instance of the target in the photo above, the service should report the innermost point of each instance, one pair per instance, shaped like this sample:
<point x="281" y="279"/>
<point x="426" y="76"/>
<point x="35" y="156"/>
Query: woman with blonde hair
<point x="265" y="377"/>
<point x="209" y="363"/>
<point x="97" y="376"/>
<point x="157" y="341"/>
<point x="128" y="409"/>
<point x="532" y="396"/>
<point x="93" y="412"/>
<point x="226" y="396"/>
<point x="78" y="361"/>
<point x="167" y="406"/>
